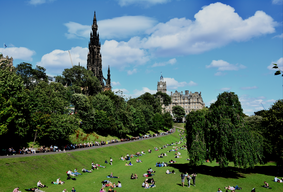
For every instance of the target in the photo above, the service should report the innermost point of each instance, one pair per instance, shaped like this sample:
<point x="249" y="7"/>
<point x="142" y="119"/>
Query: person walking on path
<point x="194" y="178"/>
<point x="182" y="179"/>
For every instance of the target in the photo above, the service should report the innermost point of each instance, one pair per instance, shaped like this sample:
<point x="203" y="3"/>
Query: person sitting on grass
<point x="119" y="184"/>
<point x="58" y="182"/>
<point x="172" y="161"/>
<point x="111" y="176"/>
<point x="266" y="185"/>
<point x="122" y="158"/>
<point x="86" y="171"/>
<point x="219" y="190"/>
<point x="130" y="163"/>
<point x="76" y="172"/>
<point x="39" y="184"/>
<point x="149" y="151"/>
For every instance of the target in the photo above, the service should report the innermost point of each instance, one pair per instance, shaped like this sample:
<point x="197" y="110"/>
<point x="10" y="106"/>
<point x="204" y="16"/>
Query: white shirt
<point x="119" y="185"/>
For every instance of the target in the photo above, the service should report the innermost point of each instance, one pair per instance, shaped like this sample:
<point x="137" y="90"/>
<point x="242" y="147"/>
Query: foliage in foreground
<point x="220" y="134"/>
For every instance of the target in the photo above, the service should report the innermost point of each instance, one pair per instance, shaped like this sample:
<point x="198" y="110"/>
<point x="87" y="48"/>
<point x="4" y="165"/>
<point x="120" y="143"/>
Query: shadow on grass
<point x="230" y="172"/>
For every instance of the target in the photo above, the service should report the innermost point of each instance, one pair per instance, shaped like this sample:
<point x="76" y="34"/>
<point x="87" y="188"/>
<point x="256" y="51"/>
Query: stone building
<point x="94" y="60"/>
<point x="188" y="100"/>
<point x="7" y="60"/>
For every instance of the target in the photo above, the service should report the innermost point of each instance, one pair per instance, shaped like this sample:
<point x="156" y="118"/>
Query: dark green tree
<point x="165" y="99"/>
<point x="158" y="122"/>
<point x="196" y="142"/>
<point x="178" y="112"/>
<point x="79" y="76"/>
<point x="168" y="121"/>
<point x="14" y="109"/>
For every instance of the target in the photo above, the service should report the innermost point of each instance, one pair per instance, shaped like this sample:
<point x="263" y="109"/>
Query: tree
<point x="279" y="71"/>
<point x="103" y="102"/>
<point x="14" y="109"/>
<point x="168" y="121"/>
<point x="165" y="99"/>
<point x="158" y="122"/>
<point x="273" y="133"/>
<point x="178" y="112"/>
<point x="79" y="76"/>
<point x="196" y="141"/>
<point x="31" y="77"/>
<point x="222" y="132"/>
<point x="149" y="99"/>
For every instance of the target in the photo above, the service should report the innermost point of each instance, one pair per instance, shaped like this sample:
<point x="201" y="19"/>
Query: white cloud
<point x="130" y="72"/>
<point x="253" y="104"/>
<point x="170" y="62"/>
<point x="120" y="54"/>
<point x="18" y="53"/>
<point x="249" y="88"/>
<point x="113" y="83"/>
<point x="143" y="2"/>
<point x="171" y="83"/>
<point x="224" y="66"/>
<point x="277" y="2"/>
<point x="57" y="60"/>
<point x="138" y="93"/>
<point x="225" y="89"/>
<point x="214" y="26"/>
<point x="76" y="30"/>
<point x="219" y="73"/>
<point x="279" y="63"/>
<point x="118" y="27"/>
<point x="278" y="36"/>
<point x="38" y="2"/>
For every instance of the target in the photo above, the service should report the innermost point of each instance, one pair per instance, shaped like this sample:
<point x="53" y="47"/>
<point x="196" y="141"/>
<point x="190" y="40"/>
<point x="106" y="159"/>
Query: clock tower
<point x="161" y="85"/>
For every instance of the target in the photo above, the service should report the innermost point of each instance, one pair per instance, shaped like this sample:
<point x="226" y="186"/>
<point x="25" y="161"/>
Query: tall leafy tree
<point x="178" y="112"/>
<point x="158" y="122"/>
<point x="168" y="121"/>
<point x="14" y="108"/>
<point x="196" y="141"/>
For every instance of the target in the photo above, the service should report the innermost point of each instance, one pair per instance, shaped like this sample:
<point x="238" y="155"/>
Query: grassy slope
<point x="26" y="171"/>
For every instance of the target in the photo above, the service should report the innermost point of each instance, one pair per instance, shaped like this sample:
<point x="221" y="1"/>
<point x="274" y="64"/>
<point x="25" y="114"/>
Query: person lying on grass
<point x="278" y="180"/>
<point x="86" y="171"/>
<point x="39" y="184"/>
<point x="58" y="182"/>
<point x="138" y="161"/>
<point x="233" y="188"/>
<point x="100" y="165"/>
<point x="93" y="166"/>
<point x="111" y="176"/>
<point x="168" y="171"/>
<point x="172" y="161"/>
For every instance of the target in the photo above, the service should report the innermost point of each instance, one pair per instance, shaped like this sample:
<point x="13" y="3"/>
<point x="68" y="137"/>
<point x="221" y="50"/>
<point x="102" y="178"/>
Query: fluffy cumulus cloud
<point x="131" y="72"/>
<point x="118" y="27"/>
<point x="277" y="2"/>
<point x="253" y="104"/>
<point x="171" y="83"/>
<point x="279" y="63"/>
<point x="170" y="62"/>
<point x="57" y="60"/>
<point x="121" y="54"/>
<point x="214" y="26"/>
<point x="224" y="66"/>
<point x="21" y="53"/>
<point x="113" y="83"/>
<point x="146" y="3"/>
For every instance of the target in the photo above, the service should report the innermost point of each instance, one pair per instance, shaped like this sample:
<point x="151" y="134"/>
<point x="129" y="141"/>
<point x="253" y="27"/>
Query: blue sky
<point x="198" y="45"/>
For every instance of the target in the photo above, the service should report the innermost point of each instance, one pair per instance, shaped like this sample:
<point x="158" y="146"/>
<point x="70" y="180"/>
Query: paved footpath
<point x="80" y="149"/>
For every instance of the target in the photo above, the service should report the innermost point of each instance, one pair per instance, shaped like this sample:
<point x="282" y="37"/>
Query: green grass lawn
<point x="26" y="171"/>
